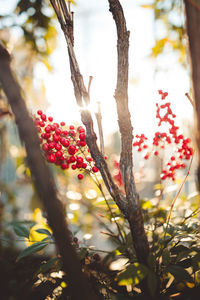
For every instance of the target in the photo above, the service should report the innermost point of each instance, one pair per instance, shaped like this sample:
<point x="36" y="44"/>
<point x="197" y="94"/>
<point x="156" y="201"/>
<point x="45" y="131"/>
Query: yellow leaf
<point x="35" y="236"/>
<point x="149" y="6"/>
<point x="190" y="285"/>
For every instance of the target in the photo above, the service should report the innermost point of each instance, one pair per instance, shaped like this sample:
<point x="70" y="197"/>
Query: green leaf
<point x="44" y="231"/>
<point x="21" y="230"/>
<point x="152" y="282"/>
<point x="179" y="273"/>
<point x="32" y="249"/>
<point x="48" y="265"/>
<point x="133" y="274"/>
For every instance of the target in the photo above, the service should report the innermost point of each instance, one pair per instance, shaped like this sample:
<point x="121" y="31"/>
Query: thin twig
<point x="99" y="123"/>
<point x="190" y="99"/>
<point x="89" y="84"/>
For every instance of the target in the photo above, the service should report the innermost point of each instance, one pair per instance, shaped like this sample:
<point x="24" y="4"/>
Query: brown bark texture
<point x="192" y="9"/>
<point x="79" y="286"/>
<point x="129" y="203"/>
<point x="135" y="217"/>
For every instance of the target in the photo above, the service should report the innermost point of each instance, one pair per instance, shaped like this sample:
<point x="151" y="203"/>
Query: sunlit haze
<point x="95" y="46"/>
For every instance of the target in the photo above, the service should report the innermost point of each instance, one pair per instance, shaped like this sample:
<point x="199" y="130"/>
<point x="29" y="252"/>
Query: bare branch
<point x="99" y="123"/>
<point x="135" y="217"/>
<point x="81" y="93"/>
<point x="44" y="183"/>
<point x="121" y="96"/>
<point x="89" y="84"/>
<point x="190" y="99"/>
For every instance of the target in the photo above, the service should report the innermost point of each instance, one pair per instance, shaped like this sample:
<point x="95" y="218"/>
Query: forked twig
<point x="190" y="99"/>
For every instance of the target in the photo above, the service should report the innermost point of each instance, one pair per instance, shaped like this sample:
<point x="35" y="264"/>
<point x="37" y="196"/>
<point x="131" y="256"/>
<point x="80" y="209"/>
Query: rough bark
<point x="78" y="285"/>
<point x="192" y="8"/>
<point x="135" y="217"/>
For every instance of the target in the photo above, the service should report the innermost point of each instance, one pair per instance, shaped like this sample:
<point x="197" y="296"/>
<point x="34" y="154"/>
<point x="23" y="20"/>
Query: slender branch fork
<point x="129" y="203"/>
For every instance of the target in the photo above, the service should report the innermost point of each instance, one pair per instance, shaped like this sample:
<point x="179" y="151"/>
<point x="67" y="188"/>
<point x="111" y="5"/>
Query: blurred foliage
<point x="170" y="31"/>
<point x="103" y="243"/>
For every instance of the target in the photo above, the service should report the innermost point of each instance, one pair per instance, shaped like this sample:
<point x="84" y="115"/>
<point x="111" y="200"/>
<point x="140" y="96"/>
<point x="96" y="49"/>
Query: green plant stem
<point x="109" y="208"/>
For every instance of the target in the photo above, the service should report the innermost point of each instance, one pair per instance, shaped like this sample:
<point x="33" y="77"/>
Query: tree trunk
<point x="192" y="8"/>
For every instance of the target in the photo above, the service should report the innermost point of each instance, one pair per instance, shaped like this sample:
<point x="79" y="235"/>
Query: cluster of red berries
<point x="183" y="150"/>
<point x="64" y="146"/>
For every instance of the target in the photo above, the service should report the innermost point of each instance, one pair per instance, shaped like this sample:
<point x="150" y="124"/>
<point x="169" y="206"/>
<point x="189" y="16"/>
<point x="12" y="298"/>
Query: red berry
<point x="58" y="131"/>
<point x="62" y="123"/>
<point x="64" y="166"/>
<point x="45" y="147"/>
<point x="50" y="119"/>
<point x="39" y="112"/>
<point x="47" y="129"/>
<point x="56" y="137"/>
<point x="71" y="127"/>
<point x="84" y="165"/>
<point x="43" y="117"/>
<point x="42" y="124"/>
<point x="58" y="153"/>
<point x="80" y="176"/>
<point x="58" y="146"/>
<point x="72" y="132"/>
<point x="79" y="160"/>
<point x="53" y="127"/>
<point x="56" y="125"/>
<point x="82" y="136"/>
<point x="82" y="143"/>
<point x="51" y="145"/>
<point x="89" y="158"/>
<point x="73" y="167"/>
<point x="64" y="142"/>
<point x="72" y="149"/>
<point x="81" y="129"/>
<point x="95" y="169"/>
<point x="52" y="158"/>
<point x="72" y="159"/>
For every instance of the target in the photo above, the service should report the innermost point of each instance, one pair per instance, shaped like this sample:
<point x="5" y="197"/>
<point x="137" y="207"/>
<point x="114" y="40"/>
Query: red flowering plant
<point x="64" y="146"/>
<point x="182" y="150"/>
